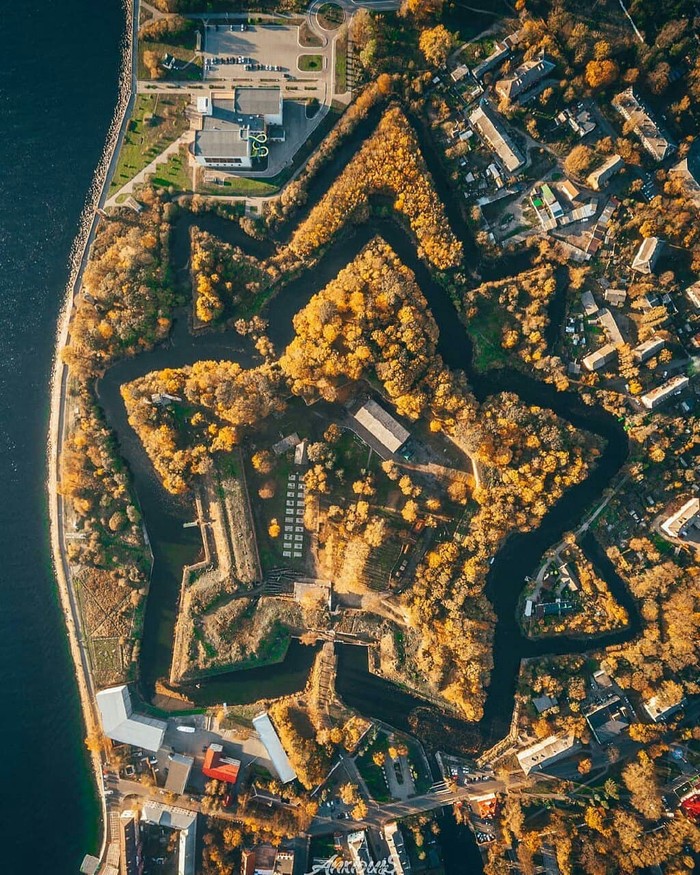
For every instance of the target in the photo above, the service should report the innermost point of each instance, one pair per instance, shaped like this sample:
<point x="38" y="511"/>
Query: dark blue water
<point x="58" y="77"/>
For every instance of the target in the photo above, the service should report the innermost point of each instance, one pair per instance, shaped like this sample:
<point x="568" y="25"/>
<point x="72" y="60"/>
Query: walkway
<point x="128" y="188"/>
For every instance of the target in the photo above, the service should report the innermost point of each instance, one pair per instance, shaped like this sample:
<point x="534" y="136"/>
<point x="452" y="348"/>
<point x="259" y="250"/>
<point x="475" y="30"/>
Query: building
<point x="602" y="679"/>
<point x="546" y="752"/>
<point x="660" y="710"/>
<point x="525" y="77"/>
<point x="121" y="724"/>
<point x="607" y="322"/>
<point x="273" y="746"/>
<point x="647" y="254"/>
<point x="570" y="191"/>
<point x="594" y="361"/>
<point x="235" y="127"/>
<point x="692" y="293"/>
<point x="688" y="171"/>
<point x="500" y="52"/>
<point x="633" y="110"/>
<point x="687" y="517"/>
<point x="644" y="351"/>
<point x="179" y="768"/>
<point x="382" y="426"/>
<point x="608" y="720"/>
<point x="266" y="860"/>
<point x="219" y="767"/>
<point x="286" y="444"/>
<point x="544" y="703"/>
<point x="588" y="302"/>
<point x="130" y="845"/>
<point x="184" y="823"/>
<point x="553" y="206"/>
<point x="598" y="178"/>
<point x="657" y="396"/>
<point x="488" y="124"/>
<point x="397" y="849"/>
<point x="615" y="297"/>
<point x="459" y="73"/>
<point x="360" y="854"/>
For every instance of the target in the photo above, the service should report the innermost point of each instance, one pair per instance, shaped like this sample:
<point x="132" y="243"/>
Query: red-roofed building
<point x="219" y="767"/>
<point x="691" y="806"/>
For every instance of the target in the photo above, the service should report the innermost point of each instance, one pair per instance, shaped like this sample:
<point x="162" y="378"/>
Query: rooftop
<point x="546" y="751"/>
<point x="273" y="746"/>
<point x="382" y="425"/>
<point x="258" y="101"/>
<point x="121" y="724"/>
<point x="489" y="125"/>
<point x="179" y="768"/>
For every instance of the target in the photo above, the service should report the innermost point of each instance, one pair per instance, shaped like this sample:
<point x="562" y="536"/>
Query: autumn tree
<point x="435" y="43"/>
<point x="601" y="74"/>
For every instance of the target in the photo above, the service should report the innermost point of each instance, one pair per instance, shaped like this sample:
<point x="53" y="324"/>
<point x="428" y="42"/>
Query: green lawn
<point x="341" y="64"/>
<point x="372" y="773"/>
<point x="239" y="185"/>
<point x="174" y="172"/>
<point x="157" y="121"/>
<point x="307" y="63"/>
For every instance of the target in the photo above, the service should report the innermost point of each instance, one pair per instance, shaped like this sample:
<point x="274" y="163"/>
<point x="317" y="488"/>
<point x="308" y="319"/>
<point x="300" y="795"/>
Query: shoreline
<point x="78" y="259"/>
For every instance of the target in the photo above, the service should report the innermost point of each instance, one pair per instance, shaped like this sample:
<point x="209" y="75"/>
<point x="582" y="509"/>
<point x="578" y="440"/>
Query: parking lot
<point x="269" y="51"/>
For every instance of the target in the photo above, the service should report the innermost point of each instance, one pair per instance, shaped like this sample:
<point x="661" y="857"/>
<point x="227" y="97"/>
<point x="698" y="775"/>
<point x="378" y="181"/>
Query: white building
<point x="490" y="128"/>
<point x="397" y="849"/>
<point x="273" y="746"/>
<point x="599" y="177"/>
<point x="662" y="393"/>
<point x="382" y="426"/>
<point x="546" y="752"/>
<point x="647" y="254"/>
<point x="688" y="516"/>
<point x="121" y="724"/>
<point x="654" y="140"/>
<point x="649" y="348"/>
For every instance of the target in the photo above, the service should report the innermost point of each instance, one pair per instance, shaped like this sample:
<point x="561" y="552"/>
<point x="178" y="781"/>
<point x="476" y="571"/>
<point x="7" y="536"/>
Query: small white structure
<point x="273" y="746"/>
<point x="121" y="724"/>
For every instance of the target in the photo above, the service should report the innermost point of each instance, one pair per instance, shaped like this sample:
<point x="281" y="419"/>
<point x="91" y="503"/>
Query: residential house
<point x="490" y="127"/>
<point x="598" y="178"/>
<point x="653" y="138"/>
<point x="524" y="78"/>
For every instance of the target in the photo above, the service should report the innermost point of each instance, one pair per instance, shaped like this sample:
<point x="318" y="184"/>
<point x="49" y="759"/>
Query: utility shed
<point x="273" y="746"/>
<point x="121" y="724"/>
<point x="382" y="425"/>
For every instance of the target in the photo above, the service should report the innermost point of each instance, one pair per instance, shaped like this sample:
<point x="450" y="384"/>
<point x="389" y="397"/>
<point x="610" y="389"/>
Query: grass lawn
<point x="330" y="16"/>
<point x="485" y="331"/>
<point x="307" y="63"/>
<point x="372" y="773"/>
<point x="239" y="185"/>
<point x="341" y="64"/>
<point x="157" y="121"/>
<point x="175" y="173"/>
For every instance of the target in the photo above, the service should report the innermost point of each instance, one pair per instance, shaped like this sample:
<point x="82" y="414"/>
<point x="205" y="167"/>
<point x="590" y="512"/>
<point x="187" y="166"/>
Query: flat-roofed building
<point x="500" y="52"/>
<point x="608" y="719"/>
<point x="664" y="392"/>
<point x="524" y="77"/>
<point x="570" y="190"/>
<point x="382" y="426"/>
<point x="184" y="822"/>
<point x="273" y="746"/>
<point x="616" y="297"/>
<point x="397" y="849"/>
<point x="546" y="752"/>
<point x="598" y="359"/>
<point x="607" y="322"/>
<point x="598" y="178"/>
<point x="660" y="709"/>
<point x="647" y="254"/>
<point x="685" y="518"/>
<point x="644" y="351"/>
<point x="654" y="140"/>
<point x="360" y="854"/>
<point x="130" y="845"/>
<point x="121" y="724"/>
<point x="264" y="102"/>
<point x="588" y="302"/>
<point x="692" y="293"/>
<point x="179" y="768"/>
<point x="487" y="123"/>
